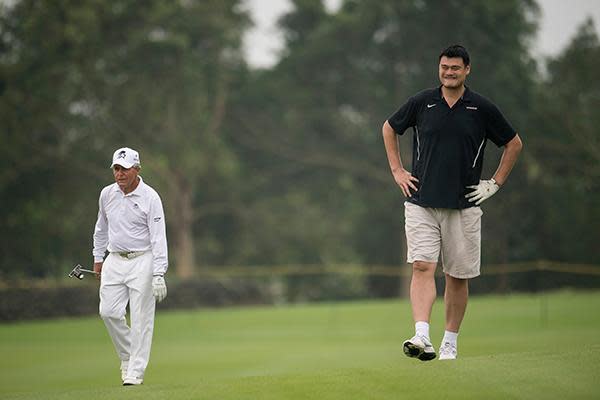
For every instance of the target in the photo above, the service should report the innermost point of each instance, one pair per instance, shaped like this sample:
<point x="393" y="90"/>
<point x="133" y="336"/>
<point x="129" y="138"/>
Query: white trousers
<point x="129" y="280"/>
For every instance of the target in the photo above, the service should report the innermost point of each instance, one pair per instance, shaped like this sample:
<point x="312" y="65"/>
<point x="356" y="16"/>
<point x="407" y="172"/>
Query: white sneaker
<point x="124" y="367"/>
<point x="448" y="351"/>
<point x="419" y="347"/>
<point x="130" y="381"/>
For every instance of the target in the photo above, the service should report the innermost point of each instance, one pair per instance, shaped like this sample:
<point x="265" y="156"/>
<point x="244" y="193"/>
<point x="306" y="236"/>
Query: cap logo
<point x="121" y="154"/>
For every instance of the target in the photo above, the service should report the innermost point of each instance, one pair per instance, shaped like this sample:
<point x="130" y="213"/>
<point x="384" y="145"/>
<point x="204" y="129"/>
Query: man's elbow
<point x="387" y="129"/>
<point x="516" y="144"/>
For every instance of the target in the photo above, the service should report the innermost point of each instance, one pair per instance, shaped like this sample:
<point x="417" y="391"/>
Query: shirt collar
<point x="438" y="94"/>
<point x="467" y="96"/>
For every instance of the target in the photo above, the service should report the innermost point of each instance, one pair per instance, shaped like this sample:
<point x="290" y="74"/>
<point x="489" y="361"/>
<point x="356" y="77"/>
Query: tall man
<point x="131" y="226"/>
<point x="451" y="125"/>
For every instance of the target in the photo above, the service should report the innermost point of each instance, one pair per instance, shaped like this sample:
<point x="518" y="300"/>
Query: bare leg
<point x="422" y="290"/>
<point x="455" y="298"/>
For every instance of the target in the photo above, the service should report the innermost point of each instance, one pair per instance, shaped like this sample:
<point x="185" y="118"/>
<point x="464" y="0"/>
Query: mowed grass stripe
<point x="509" y="348"/>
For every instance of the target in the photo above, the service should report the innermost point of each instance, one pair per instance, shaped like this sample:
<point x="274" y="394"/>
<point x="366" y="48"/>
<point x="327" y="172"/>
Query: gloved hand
<point x="159" y="288"/>
<point x="483" y="191"/>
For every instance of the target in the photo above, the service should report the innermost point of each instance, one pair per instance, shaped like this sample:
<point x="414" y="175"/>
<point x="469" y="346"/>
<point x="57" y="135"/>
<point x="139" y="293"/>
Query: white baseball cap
<point x="126" y="158"/>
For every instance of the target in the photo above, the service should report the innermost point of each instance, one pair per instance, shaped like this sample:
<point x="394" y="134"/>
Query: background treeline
<point x="283" y="165"/>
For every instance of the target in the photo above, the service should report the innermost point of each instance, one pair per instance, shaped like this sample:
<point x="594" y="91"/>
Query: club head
<point x="76" y="272"/>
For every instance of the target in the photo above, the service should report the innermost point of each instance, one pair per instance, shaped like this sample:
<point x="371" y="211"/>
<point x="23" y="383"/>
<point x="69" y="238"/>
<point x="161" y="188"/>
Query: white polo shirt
<point x="131" y="222"/>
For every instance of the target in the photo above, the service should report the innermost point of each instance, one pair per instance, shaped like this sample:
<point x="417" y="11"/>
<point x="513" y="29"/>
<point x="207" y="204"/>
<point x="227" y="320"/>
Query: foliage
<point x="282" y="165"/>
<point x="565" y="154"/>
<point x="102" y="75"/>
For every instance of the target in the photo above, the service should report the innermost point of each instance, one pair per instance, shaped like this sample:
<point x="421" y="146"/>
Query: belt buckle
<point x="130" y="254"/>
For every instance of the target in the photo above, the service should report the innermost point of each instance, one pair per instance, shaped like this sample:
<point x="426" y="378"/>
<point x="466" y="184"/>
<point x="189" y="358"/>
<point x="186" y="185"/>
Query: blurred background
<point x="259" y="123"/>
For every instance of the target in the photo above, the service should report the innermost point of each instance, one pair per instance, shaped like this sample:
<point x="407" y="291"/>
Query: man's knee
<point x="456" y="283"/>
<point x="423" y="267"/>
<point x="111" y="313"/>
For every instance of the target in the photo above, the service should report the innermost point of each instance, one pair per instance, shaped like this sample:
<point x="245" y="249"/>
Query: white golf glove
<point x="483" y="191"/>
<point x="159" y="288"/>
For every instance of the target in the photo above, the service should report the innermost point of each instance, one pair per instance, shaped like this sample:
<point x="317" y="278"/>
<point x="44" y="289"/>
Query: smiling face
<point x="453" y="72"/>
<point x="126" y="178"/>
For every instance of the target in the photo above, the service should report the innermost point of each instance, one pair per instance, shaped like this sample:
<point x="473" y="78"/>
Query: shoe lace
<point x="448" y="347"/>
<point x="425" y="340"/>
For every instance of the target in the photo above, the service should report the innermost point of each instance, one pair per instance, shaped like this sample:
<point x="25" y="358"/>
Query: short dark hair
<point x="454" y="51"/>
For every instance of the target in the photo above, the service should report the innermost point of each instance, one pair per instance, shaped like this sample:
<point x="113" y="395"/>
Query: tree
<point x="174" y="69"/>
<point x="343" y="74"/>
<point x="565" y="154"/>
<point x="81" y="79"/>
<point x="43" y="59"/>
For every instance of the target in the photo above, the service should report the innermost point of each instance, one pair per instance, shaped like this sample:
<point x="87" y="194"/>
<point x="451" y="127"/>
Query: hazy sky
<point x="559" y="21"/>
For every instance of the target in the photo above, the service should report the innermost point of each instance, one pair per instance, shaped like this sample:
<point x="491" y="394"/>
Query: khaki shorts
<point x="456" y="234"/>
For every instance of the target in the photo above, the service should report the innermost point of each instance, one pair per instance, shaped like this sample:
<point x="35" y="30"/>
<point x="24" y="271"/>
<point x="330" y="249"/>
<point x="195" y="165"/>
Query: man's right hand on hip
<point x="405" y="180"/>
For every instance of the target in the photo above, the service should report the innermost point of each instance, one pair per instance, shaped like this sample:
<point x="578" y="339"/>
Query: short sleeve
<point x="498" y="129"/>
<point x="405" y="117"/>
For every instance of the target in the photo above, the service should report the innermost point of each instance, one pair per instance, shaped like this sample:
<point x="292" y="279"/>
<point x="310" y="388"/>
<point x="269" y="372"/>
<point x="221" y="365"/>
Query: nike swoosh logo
<point x="431" y="105"/>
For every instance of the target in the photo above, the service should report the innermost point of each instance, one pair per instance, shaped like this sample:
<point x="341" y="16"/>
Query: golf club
<point x="78" y="271"/>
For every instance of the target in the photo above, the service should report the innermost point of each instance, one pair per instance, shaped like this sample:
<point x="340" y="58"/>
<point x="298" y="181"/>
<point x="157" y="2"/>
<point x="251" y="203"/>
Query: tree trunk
<point x="184" y="237"/>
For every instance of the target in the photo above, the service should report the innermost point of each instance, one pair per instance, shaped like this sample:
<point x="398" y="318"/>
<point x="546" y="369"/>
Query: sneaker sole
<point x="447" y="358"/>
<point x="424" y="356"/>
<point x="413" y="351"/>
<point x="410" y="350"/>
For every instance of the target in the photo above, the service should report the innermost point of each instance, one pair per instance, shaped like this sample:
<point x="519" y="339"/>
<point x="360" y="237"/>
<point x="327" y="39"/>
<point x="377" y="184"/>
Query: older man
<point x="131" y="226"/>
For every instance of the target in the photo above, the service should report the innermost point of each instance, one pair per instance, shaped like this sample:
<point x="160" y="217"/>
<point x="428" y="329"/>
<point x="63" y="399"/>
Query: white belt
<point x="129" y="254"/>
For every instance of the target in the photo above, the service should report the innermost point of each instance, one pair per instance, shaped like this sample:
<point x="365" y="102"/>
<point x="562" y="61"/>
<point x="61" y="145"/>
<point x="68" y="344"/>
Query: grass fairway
<point x="509" y="348"/>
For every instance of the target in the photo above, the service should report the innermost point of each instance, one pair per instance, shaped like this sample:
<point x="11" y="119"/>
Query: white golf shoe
<point x="131" y="381"/>
<point x="124" y="366"/>
<point x="420" y="347"/>
<point x="448" y="351"/>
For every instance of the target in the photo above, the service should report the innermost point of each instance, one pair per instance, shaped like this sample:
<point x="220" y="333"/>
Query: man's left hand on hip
<point x="483" y="191"/>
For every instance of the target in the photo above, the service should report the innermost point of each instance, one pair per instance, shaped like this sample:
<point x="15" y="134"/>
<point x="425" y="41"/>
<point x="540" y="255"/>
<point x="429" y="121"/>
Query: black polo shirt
<point x="448" y="144"/>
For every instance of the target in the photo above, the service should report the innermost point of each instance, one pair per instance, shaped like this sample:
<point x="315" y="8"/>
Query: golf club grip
<point x="88" y="270"/>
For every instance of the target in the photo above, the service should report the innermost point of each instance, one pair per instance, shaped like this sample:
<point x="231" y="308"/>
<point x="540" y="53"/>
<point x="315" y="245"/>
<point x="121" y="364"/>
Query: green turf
<point x="510" y="348"/>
